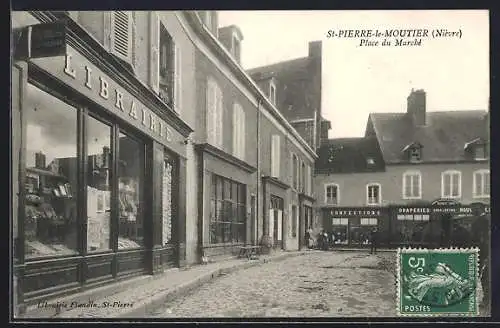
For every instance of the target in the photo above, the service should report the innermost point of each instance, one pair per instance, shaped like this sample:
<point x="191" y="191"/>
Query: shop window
<point x="451" y="184"/>
<point x="167" y="197"/>
<point x="238" y="131"/>
<point x="368" y="221"/>
<point x="332" y="194"/>
<point x="373" y="194"/>
<point x="99" y="172"/>
<point x="227" y="211"/>
<point x="130" y="182"/>
<point x="412" y="185"/>
<point x="214" y="113"/>
<point x="481" y="181"/>
<point x="51" y="175"/>
<point x="275" y="156"/>
<point x="340" y="231"/>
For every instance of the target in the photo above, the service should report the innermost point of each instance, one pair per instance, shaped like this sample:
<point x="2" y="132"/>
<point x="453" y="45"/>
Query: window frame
<point x="451" y="173"/>
<point x="481" y="173"/>
<point x="239" y="131"/>
<point x="373" y="184"/>
<point x="326" y="186"/>
<point x="412" y="173"/>
<point x="275" y="156"/>
<point x="217" y="115"/>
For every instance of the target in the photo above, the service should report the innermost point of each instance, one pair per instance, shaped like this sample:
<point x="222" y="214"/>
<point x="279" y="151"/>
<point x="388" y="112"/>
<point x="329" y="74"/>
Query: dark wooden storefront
<point x="306" y="217"/>
<point x="145" y="144"/>
<point x="225" y="186"/>
<point x="274" y="195"/>
<point x="442" y="223"/>
<point x="352" y="226"/>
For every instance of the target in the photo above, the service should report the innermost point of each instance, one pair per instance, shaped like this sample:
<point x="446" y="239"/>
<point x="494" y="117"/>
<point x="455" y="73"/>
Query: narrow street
<point x="324" y="284"/>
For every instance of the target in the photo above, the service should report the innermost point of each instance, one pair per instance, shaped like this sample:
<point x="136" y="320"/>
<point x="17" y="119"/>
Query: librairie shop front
<point x="87" y="147"/>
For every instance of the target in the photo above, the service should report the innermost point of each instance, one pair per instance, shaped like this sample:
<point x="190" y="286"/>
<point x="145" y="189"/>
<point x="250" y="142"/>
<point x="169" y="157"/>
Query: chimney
<point x="315" y="49"/>
<point x="40" y="160"/>
<point x="416" y="106"/>
<point x="231" y="37"/>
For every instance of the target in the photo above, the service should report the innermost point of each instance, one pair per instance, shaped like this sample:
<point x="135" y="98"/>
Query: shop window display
<point x="228" y="211"/>
<point x="98" y="185"/>
<point x="130" y="173"/>
<point x="50" y="181"/>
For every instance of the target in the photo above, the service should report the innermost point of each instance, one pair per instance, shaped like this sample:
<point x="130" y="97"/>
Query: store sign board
<point x="355" y="212"/>
<point x="79" y="73"/>
<point x="40" y="40"/>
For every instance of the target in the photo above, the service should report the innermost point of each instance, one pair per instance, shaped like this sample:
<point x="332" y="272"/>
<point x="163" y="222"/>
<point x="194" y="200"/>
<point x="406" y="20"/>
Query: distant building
<point x="405" y="160"/>
<point x="295" y="87"/>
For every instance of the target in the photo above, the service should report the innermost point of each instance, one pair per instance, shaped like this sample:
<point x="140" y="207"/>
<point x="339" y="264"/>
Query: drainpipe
<point x="259" y="101"/>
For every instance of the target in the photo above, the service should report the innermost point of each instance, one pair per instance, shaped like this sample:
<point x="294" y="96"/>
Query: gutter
<point x="200" y="28"/>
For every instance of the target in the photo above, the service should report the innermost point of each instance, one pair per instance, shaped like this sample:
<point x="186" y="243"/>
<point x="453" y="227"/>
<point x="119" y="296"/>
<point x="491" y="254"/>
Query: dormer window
<point x="272" y="92"/>
<point x="415" y="155"/>
<point x="476" y="149"/>
<point x="414" y="152"/>
<point x="480" y="152"/>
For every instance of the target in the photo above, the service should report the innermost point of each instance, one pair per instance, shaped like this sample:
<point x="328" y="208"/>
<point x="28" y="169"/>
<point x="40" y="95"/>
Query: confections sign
<point x="355" y="212"/>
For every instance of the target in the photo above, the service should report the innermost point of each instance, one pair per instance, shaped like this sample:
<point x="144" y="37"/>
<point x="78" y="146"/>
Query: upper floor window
<point x="332" y="194"/>
<point x="308" y="180"/>
<point x="481" y="184"/>
<point x="214" y="113"/>
<point x="295" y="171"/>
<point x="451" y="184"/>
<point x="373" y="194"/>
<point x="272" y="92"/>
<point x="412" y="185"/>
<point x="169" y="70"/>
<point x="303" y="177"/>
<point x="238" y="131"/>
<point x="275" y="156"/>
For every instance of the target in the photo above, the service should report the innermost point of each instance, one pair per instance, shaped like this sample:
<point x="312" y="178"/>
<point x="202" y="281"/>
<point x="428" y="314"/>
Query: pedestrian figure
<point x="325" y="241"/>
<point x="374" y="241"/>
<point x="332" y="239"/>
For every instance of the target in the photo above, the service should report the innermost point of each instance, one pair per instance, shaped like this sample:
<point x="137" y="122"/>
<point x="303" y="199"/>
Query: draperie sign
<point x="124" y="103"/>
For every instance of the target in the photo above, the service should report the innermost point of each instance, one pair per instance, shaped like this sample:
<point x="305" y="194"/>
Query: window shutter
<point x="275" y="156"/>
<point x="242" y="133"/>
<point x="121" y="34"/>
<point x="308" y="187"/>
<point x="154" y="53"/>
<point x="178" y="78"/>
<point x="219" y="110"/>
<point x="236" y="133"/>
<point x="133" y="55"/>
<point x="211" y="115"/>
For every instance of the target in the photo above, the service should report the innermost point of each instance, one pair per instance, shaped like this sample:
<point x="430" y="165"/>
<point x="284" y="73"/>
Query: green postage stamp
<point x="438" y="282"/>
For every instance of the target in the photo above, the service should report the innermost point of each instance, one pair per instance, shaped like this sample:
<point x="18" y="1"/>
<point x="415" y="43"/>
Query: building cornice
<point x="216" y="152"/>
<point x="275" y="181"/>
<point x="88" y="46"/>
<point x="199" y="28"/>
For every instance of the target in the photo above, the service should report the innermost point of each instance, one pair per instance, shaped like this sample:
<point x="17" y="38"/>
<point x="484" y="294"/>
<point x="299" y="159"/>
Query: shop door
<point x="276" y="221"/>
<point x="169" y="211"/>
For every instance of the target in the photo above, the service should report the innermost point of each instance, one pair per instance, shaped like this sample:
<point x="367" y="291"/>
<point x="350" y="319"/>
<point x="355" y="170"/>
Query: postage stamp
<point x="438" y="282"/>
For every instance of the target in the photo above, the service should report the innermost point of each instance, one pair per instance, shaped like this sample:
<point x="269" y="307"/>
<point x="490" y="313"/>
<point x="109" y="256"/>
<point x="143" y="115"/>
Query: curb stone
<point x="146" y="307"/>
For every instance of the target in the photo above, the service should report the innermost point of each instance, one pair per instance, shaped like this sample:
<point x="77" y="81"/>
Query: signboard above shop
<point x="40" y="40"/>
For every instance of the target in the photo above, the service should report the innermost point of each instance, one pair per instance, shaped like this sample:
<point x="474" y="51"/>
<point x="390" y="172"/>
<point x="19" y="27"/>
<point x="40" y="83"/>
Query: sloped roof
<point x="265" y="72"/>
<point x="349" y="155"/>
<point x="443" y="137"/>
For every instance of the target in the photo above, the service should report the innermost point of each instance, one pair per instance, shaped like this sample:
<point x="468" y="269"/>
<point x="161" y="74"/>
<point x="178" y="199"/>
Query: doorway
<point x="276" y="222"/>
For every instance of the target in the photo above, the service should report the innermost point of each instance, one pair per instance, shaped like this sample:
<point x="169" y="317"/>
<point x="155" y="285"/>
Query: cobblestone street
<point x="325" y="284"/>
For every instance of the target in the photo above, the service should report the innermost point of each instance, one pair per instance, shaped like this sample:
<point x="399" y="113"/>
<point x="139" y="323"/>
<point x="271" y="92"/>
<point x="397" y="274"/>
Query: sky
<point x="358" y="80"/>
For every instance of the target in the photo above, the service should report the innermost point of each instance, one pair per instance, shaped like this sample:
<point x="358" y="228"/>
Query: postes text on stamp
<point x="437" y="282"/>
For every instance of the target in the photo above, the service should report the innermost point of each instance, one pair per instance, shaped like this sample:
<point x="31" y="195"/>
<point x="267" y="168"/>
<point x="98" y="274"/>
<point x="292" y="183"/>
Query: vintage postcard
<point x="250" y="164"/>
